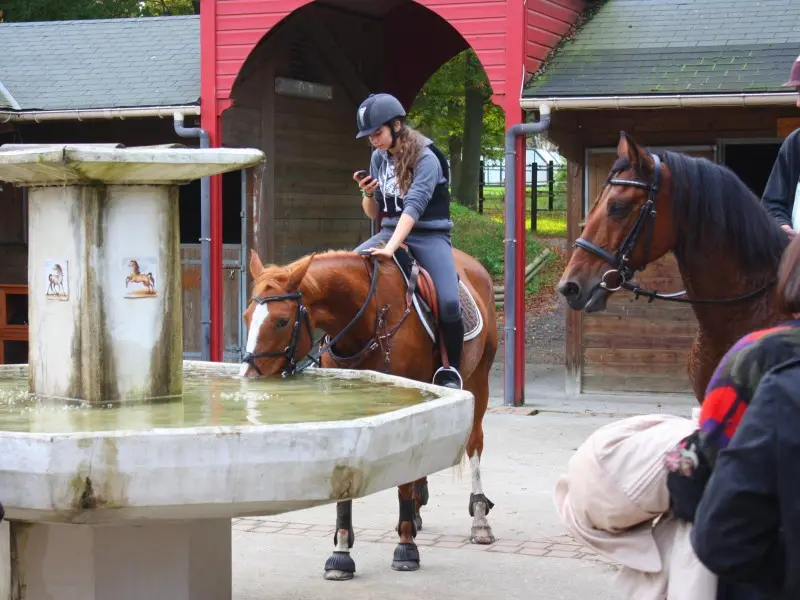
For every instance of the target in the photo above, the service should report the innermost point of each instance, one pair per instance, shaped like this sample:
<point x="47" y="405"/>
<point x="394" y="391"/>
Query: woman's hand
<point x="367" y="184"/>
<point x="386" y="252"/>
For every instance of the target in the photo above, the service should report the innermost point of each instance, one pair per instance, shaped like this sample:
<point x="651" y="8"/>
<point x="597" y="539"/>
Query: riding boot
<point x="452" y="333"/>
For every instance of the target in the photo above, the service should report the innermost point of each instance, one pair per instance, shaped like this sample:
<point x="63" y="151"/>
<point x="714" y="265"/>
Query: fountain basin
<point x="135" y="514"/>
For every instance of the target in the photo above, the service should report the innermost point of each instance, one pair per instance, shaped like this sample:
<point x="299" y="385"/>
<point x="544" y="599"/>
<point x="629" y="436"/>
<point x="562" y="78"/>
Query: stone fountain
<point x="103" y="500"/>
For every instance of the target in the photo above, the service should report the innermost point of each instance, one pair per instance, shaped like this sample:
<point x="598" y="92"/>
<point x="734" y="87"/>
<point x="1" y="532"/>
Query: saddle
<point x="425" y="301"/>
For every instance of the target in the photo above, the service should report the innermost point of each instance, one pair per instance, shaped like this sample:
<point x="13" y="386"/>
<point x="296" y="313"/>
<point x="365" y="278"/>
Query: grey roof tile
<point x="694" y="46"/>
<point x="103" y="63"/>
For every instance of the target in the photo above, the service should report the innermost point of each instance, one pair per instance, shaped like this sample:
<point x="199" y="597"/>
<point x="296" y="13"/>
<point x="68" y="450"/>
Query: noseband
<point x="645" y="221"/>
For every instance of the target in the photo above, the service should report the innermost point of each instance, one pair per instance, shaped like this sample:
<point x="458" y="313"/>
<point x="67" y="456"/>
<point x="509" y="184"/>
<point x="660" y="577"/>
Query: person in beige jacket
<point x="614" y="499"/>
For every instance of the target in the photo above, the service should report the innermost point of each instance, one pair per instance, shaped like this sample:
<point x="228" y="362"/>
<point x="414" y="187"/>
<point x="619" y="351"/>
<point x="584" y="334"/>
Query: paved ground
<point x="283" y="556"/>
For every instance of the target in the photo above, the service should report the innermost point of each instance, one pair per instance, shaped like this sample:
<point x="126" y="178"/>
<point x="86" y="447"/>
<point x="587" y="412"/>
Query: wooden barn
<point x="284" y="76"/>
<point x="702" y="77"/>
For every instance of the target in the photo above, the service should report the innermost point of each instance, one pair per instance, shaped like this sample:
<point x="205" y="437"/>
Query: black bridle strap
<point x="302" y="315"/>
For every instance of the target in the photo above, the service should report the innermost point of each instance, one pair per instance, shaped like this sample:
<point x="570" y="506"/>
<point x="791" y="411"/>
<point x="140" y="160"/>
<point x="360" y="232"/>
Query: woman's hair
<point x="410" y="145"/>
<point x="789" y="278"/>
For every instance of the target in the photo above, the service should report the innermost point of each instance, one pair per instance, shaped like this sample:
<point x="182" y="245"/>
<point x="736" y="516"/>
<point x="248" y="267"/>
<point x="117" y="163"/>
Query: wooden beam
<point x="787" y="126"/>
<point x="336" y="58"/>
<point x="264" y="221"/>
<point x="574" y="352"/>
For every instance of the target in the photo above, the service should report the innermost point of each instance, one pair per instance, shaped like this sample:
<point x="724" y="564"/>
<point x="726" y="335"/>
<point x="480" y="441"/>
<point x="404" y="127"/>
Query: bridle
<point x="645" y="220"/>
<point x="292" y="365"/>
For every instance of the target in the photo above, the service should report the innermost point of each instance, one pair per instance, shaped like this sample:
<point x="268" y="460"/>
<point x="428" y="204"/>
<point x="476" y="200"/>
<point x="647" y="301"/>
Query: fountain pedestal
<point x="104" y="273"/>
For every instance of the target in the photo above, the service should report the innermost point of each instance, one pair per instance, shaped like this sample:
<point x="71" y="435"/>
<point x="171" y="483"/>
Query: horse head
<point x="134" y="265"/>
<point x="278" y="321"/>
<point x="621" y="234"/>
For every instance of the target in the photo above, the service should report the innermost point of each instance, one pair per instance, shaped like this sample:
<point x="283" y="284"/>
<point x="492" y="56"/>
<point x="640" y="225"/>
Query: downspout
<point x="510" y="287"/>
<point x="205" y="238"/>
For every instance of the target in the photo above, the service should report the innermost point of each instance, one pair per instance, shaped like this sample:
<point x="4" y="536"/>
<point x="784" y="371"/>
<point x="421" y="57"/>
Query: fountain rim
<point x="445" y="397"/>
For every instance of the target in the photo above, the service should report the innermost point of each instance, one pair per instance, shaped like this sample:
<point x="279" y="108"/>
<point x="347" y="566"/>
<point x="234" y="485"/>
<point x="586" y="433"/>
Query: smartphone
<point x="361" y="174"/>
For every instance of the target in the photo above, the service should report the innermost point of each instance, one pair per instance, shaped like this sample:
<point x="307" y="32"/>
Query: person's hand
<point x="368" y="185"/>
<point x="791" y="232"/>
<point x="386" y="251"/>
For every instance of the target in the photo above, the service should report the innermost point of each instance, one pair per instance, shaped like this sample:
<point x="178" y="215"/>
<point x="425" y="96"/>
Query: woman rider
<point x="406" y="181"/>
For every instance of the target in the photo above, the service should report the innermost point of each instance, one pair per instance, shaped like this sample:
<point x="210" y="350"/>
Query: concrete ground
<point x="282" y="557"/>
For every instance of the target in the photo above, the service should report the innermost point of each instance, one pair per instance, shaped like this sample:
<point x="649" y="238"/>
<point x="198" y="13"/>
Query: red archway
<point x="510" y="37"/>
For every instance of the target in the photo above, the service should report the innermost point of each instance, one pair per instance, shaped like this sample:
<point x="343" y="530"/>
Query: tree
<point x="454" y="109"/>
<point x="69" y="10"/>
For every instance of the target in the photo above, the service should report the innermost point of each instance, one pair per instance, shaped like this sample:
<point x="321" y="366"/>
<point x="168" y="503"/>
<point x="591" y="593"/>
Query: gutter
<point x="662" y="101"/>
<point x="205" y="236"/>
<point x="81" y="114"/>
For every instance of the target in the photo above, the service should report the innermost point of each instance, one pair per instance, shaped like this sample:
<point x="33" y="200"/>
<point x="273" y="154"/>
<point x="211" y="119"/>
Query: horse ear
<point x="256" y="266"/>
<point x="628" y="147"/>
<point x="298" y="272"/>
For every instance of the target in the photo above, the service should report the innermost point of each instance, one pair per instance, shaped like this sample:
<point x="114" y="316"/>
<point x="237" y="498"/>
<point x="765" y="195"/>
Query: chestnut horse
<point x="727" y="247"/>
<point x="374" y="325"/>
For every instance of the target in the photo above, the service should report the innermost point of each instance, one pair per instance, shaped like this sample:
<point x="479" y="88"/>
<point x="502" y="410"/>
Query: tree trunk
<point x="454" y="144"/>
<point x="471" y="156"/>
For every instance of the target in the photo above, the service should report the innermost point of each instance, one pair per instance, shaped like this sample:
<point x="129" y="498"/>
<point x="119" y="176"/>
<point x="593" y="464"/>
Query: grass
<point x="548" y="223"/>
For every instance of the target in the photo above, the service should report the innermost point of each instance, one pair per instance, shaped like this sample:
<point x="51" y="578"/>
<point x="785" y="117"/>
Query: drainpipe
<point x="511" y="268"/>
<point x="205" y="237"/>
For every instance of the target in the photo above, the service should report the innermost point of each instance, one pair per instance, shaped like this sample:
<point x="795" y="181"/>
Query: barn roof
<point x="103" y="63"/>
<point x="651" y="47"/>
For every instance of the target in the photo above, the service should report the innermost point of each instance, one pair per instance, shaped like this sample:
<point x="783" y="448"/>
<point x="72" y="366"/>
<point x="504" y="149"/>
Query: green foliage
<point x="438" y="110"/>
<point x="482" y="238"/>
<point x="68" y="10"/>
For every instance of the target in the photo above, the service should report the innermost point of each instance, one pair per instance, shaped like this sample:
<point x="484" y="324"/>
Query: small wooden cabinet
<point x="13" y="324"/>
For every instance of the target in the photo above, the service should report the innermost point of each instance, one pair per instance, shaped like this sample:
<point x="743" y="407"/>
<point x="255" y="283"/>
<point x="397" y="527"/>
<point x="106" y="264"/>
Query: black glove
<point x="688" y="472"/>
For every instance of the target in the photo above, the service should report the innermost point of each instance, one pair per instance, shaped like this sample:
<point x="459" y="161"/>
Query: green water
<point x="210" y="400"/>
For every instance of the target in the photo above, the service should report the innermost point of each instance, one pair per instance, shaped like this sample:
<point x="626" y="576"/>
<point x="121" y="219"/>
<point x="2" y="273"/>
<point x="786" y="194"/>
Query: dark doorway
<point x="752" y="163"/>
<point x="231" y="209"/>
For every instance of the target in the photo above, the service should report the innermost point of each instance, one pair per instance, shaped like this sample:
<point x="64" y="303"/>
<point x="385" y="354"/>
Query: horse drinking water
<point x="372" y="319"/>
<point x="726" y="245"/>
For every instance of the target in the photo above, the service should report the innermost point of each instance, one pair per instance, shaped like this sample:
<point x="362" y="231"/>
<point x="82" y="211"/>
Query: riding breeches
<point x="434" y="251"/>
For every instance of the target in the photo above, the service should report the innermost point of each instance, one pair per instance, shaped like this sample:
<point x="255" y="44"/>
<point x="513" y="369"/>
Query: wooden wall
<point x="304" y="200"/>
<point x="636" y="346"/>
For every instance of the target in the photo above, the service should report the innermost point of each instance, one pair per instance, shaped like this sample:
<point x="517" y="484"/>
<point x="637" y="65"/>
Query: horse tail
<point x="152" y="280"/>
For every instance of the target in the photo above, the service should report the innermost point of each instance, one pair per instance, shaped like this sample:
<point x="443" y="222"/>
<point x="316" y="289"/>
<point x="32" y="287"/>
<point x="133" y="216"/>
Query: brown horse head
<point x="134" y="265"/>
<point x="275" y="316"/>
<point x="621" y="229"/>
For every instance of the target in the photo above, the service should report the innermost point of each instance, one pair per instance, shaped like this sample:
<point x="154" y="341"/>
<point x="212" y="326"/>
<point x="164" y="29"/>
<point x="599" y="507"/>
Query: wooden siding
<point x="192" y="326"/>
<point x="546" y="23"/>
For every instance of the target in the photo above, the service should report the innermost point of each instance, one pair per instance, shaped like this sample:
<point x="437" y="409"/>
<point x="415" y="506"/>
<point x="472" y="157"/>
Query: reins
<point x="382" y="340"/>
<point x="646" y="220"/>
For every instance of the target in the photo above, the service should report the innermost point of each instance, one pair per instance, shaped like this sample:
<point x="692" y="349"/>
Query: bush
<point x="482" y="237"/>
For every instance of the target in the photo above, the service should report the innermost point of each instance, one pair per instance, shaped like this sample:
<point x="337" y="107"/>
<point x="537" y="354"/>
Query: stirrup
<point x="451" y="384"/>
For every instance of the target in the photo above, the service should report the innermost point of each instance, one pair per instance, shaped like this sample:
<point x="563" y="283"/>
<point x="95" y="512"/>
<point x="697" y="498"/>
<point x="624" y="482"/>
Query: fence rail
<point x="549" y="195"/>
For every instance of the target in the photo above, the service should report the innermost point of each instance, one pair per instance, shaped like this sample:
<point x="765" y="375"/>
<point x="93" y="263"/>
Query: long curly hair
<point x="409" y="147"/>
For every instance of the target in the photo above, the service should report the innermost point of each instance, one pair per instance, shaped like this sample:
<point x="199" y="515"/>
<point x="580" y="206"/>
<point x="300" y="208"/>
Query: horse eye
<point x="281" y="323"/>
<point x="615" y="209"/>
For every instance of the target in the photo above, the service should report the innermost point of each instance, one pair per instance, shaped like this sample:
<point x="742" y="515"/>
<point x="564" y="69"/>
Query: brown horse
<point x="726" y="245"/>
<point x="374" y="325"/>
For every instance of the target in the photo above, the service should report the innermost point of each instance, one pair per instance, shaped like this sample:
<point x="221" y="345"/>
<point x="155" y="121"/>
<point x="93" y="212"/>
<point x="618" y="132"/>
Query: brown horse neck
<point x="343" y="284"/>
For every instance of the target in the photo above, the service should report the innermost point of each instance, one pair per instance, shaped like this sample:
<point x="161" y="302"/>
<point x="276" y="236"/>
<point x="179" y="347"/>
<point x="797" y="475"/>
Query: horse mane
<point x="278" y="276"/>
<point x="712" y="207"/>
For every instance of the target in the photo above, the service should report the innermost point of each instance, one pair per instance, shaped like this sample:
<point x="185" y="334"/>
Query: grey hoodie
<point x="427" y="175"/>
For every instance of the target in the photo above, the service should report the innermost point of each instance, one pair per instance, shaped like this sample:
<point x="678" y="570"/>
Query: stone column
<point x="105" y="313"/>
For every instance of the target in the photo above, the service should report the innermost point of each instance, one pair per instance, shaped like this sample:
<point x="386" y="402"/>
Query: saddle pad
<point x="470" y="315"/>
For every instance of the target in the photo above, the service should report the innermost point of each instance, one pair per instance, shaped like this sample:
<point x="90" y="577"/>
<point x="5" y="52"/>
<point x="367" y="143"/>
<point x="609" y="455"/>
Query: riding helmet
<point x="377" y="110"/>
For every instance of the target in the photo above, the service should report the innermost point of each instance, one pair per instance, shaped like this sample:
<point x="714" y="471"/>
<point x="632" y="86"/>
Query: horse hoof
<point x="340" y="567"/>
<point x="482" y="535"/>
<point x="406" y="558"/>
<point x="418" y="522"/>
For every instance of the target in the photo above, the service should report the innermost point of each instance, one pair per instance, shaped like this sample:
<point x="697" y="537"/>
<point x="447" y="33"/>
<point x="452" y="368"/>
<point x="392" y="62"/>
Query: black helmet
<point x="376" y="111"/>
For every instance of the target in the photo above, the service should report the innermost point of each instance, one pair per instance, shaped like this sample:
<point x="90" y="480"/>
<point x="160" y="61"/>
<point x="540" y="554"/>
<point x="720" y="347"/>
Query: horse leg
<point x="341" y="566"/>
<point x="420" y="500"/>
<point x="479" y="504"/>
<point x="406" y="554"/>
